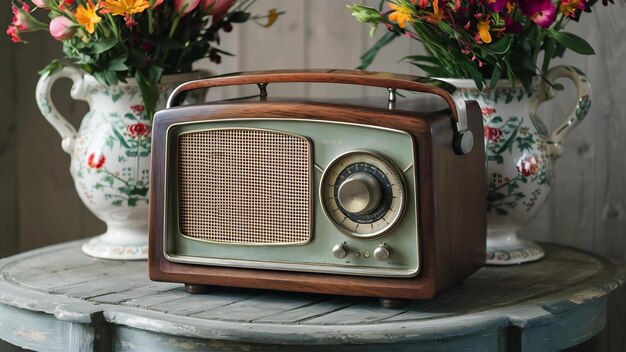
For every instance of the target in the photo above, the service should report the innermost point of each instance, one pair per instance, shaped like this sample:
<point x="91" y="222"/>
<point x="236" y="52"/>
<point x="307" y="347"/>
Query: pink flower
<point x="43" y="4"/>
<point x="217" y="8"/>
<point x="24" y="21"/>
<point x="157" y="3"/>
<point x="95" y="164"/>
<point x="492" y="134"/>
<point x="14" y="33"/>
<point x="138" y="130"/>
<point x="62" y="28"/>
<point x="542" y="12"/>
<point x="528" y="166"/>
<point x="183" y="7"/>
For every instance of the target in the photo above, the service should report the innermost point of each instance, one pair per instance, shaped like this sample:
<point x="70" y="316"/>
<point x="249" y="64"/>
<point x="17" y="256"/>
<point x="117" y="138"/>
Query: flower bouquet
<point x="498" y="53"/>
<point x="481" y="39"/>
<point x="113" y="40"/>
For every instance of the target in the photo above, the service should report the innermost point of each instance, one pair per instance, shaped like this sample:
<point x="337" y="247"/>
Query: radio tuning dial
<point x="382" y="252"/>
<point x="340" y="250"/>
<point x="363" y="194"/>
<point x="360" y="193"/>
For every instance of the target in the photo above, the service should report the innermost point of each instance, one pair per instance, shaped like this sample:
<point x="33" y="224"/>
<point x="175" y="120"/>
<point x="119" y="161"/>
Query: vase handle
<point x="49" y="110"/>
<point x="575" y="116"/>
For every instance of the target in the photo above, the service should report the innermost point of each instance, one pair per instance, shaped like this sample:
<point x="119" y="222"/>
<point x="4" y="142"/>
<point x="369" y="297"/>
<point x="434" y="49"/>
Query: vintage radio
<point x="314" y="196"/>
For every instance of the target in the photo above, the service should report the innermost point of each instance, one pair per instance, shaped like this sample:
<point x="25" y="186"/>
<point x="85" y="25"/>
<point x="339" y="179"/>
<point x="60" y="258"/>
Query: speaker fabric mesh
<point x="245" y="186"/>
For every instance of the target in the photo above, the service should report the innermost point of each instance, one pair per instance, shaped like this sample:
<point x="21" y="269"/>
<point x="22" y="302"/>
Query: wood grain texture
<point x="532" y="307"/>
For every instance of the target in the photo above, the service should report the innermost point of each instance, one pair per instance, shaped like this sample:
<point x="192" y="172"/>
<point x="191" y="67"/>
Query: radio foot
<point x="394" y="303"/>
<point x="197" y="289"/>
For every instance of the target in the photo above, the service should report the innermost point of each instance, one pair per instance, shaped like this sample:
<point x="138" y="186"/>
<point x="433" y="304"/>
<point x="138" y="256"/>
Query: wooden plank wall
<point x="586" y="208"/>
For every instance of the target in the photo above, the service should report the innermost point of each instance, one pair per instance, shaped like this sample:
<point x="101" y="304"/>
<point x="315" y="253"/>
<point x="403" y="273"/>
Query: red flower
<point x="492" y="134"/>
<point x="138" y="109"/>
<point x="528" y="166"/>
<point x="95" y="164"/>
<point x="488" y="111"/>
<point x="138" y="130"/>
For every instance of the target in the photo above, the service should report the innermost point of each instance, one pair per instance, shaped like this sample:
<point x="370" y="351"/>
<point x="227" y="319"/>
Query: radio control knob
<point x="382" y="252"/>
<point x="360" y="193"/>
<point x="340" y="250"/>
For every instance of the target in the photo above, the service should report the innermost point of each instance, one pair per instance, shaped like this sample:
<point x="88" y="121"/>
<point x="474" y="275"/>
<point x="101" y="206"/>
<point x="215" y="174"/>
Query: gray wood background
<point x="586" y="208"/>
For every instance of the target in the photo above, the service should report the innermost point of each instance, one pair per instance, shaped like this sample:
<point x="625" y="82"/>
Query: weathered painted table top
<point x="56" y="298"/>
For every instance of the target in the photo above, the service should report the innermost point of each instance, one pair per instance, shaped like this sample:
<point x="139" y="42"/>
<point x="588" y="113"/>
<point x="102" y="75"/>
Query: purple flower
<point x="495" y="5"/>
<point x="512" y="26"/>
<point x="542" y="12"/>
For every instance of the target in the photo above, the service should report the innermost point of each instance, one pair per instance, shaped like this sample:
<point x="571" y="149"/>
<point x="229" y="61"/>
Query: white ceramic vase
<point x="519" y="153"/>
<point x="110" y="156"/>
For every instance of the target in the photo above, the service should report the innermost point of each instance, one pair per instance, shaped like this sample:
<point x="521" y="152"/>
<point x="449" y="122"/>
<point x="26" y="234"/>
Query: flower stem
<point x="174" y="26"/>
<point x="150" y="22"/>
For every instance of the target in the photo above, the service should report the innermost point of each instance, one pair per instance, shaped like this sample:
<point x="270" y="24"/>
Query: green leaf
<point x="502" y="46"/>
<point x="424" y="58"/>
<point x="238" y="17"/>
<point x="106" y="77"/>
<point x="431" y="71"/>
<point x="549" y="47"/>
<point x="51" y="68"/>
<point x="572" y="42"/>
<point x="495" y="76"/>
<point x="149" y="89"/>
<point x="117" y="64"/>
<point x="368" y="57"/>
<point x="103" y="45"/>
<point x="120" y="138"/>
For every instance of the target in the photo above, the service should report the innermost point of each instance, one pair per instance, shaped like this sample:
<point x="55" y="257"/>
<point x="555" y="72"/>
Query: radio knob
<point x="382" y="252"/>
<point x="360" y="193"/>
<point x="340" y="250"/>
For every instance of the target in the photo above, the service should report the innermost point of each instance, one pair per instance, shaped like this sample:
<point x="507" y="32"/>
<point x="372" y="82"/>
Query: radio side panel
<point x="460" y="194"/>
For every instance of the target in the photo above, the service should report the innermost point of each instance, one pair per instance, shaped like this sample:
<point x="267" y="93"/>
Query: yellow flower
<point x="125" y="7"/>
<point x="401" y="14"/>
<point x="483" y="31"/>
<point x="272" y="16"/>
<point x="87" y="16"/>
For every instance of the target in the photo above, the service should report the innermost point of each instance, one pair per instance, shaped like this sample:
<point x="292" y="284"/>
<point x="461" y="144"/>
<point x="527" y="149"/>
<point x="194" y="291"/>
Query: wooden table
<point x="57" y="299"/>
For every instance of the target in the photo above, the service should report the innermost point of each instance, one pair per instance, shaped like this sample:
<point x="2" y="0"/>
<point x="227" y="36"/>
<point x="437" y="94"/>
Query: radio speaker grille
<point x="245" y="186"/>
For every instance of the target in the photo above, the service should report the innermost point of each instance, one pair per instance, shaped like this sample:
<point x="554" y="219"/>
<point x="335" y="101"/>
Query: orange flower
<point x="569" y="7"/>
<point x="436" y="16"/>
<point x="483" y="31"/>
<point x="125" y="7"/>
<point x="87" y="16"/>
<point x="401" y="14"/>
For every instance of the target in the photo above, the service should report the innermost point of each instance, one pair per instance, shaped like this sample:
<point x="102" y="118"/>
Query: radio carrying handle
<point x="463" y="138"/>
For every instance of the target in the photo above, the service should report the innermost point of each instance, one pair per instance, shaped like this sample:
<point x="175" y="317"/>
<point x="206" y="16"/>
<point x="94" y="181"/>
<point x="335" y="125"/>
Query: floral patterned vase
<point x="110" y="157"/>
<point x="519" y="153"/>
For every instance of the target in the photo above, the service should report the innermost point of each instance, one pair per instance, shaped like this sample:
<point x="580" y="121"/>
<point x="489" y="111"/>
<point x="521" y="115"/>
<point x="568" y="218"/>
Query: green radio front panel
<point x="329" y="141"/>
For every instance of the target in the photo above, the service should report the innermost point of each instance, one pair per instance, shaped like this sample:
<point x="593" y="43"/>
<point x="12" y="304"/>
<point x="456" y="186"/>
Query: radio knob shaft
<point x="382" y="252"/>
<point x="340" y="250"/>
<point x="360" y="193"/>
